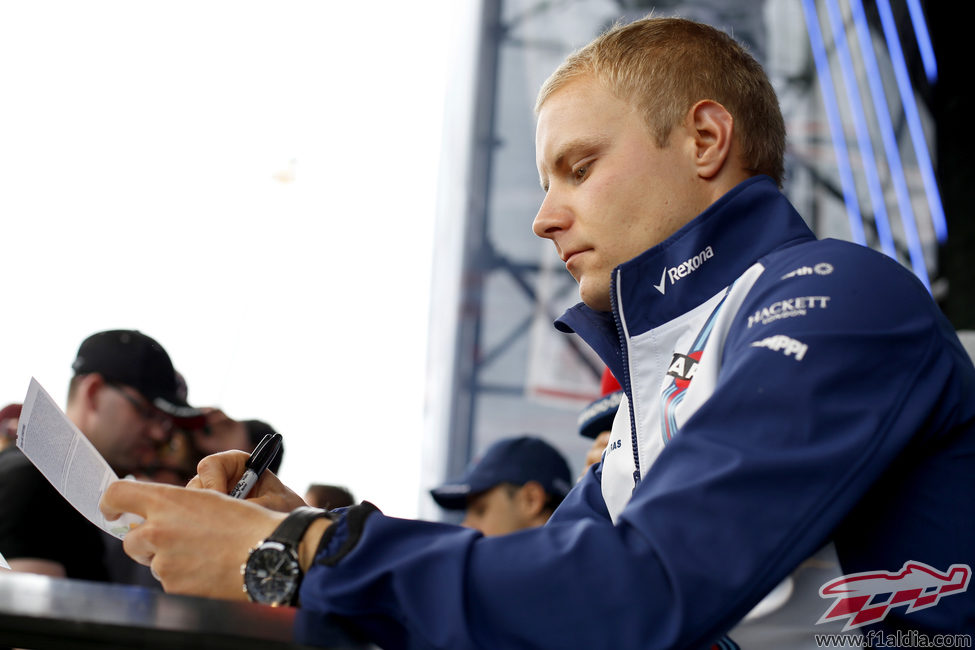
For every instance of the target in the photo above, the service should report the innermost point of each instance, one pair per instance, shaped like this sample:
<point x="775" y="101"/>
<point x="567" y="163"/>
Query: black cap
<point x="131" y="358"/>
<point x="510" y="460"/>
<point x="599" y="415"/>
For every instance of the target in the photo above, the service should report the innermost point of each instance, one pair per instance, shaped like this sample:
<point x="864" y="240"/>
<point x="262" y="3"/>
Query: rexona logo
<point x="683" y="269"/>
<point x="867" y="597"/>
<point x="787" y="309"/>
<point x="780" y="343"/>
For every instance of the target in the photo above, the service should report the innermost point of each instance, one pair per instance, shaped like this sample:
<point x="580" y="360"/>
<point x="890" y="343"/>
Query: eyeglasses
<point x="145" y="411"/>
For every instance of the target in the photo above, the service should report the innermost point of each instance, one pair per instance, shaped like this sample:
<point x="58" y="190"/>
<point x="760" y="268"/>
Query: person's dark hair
<point x="329" y="496"/>
<point x="552" y="501"/>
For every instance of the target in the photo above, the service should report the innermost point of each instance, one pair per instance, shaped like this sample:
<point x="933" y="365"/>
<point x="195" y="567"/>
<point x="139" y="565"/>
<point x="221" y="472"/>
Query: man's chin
<point x="595" y="297"/>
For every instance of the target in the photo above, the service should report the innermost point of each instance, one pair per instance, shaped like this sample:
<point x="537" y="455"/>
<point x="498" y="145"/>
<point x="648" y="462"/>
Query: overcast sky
<point x="251" y="183"/>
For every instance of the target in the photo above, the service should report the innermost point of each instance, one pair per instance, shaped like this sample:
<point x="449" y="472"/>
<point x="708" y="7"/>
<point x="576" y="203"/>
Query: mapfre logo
<point x="867" y="597"/>
<point x="682" y="270"/>
<point x="784" y="344"/>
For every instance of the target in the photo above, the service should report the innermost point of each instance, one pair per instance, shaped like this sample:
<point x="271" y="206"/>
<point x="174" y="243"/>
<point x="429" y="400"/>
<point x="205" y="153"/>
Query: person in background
<point x="176" y="459"/>
<point x="124" y="398"/>
<point x="223" y="432"/>
<point x="596" y="420"/>
<point x="328" y="497"/>
<point x="193" y="439"/>
<point x="9" y="416"/>
<point x="517" y="483"/>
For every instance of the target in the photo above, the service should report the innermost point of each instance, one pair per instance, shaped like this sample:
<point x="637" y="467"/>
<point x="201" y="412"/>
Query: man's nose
<point x="552" y="217"/>
<point x="160" y="430"/>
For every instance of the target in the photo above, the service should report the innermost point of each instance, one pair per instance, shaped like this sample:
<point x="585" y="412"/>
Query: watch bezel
<point x="289" y="566"/>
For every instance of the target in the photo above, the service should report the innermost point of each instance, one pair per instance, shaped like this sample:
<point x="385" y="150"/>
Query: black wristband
<point x="351" y="520"/>
<point x="292" y="529"/>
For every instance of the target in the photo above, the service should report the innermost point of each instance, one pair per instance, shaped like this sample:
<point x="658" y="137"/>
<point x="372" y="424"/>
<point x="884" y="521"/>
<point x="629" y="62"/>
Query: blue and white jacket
<point x="782" y="394"/>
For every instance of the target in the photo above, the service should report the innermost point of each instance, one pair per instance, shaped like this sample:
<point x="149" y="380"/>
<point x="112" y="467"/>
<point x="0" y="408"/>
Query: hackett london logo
<point x="868" y="597"/>
<point x="682" y="270"/>
<point x="787" y="309"/>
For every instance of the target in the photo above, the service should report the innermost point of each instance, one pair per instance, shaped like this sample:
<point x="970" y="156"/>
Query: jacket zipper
<point x="627" y="388"/>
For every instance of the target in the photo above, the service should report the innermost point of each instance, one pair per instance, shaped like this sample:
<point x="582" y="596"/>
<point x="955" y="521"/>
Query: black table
<point x="39" y="612"/>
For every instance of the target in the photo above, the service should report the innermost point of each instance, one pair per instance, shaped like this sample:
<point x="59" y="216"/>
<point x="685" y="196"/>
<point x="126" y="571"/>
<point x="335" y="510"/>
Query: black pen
<point x="260" y="458"/>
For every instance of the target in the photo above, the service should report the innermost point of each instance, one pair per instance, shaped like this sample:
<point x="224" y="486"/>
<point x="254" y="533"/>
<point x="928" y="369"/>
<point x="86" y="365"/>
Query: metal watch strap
<point x="290" y="531"/>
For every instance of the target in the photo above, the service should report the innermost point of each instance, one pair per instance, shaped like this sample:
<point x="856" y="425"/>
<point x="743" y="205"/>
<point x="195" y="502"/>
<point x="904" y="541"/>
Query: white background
<point x="253" y="184"/>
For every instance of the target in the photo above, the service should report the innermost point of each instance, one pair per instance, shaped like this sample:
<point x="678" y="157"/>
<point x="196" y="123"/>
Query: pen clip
<point x="258" y="450"/>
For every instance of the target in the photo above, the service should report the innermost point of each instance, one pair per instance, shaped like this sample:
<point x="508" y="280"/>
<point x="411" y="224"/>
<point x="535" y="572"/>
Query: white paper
<point x="67" y="459"/>
<point x="3" y="562"/>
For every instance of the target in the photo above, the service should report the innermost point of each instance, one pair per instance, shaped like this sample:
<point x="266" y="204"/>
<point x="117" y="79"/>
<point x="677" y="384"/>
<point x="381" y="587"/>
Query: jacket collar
<point x="690" y="266"/>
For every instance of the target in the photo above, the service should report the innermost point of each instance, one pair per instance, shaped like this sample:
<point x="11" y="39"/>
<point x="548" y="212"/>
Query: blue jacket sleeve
<point x="585" y="501"/>
<point x="759" y="478"/>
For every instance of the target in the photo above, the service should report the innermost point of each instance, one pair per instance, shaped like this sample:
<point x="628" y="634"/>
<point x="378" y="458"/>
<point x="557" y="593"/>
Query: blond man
<point x="781" y="393"/>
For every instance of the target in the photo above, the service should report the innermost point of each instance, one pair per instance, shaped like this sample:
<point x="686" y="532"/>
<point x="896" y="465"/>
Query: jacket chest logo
<point x="682" y="368"/>
<point x="682" y="270"/>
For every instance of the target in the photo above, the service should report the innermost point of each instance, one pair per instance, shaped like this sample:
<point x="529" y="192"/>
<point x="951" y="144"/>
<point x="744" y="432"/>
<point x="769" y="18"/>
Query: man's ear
<point x="89" y="390"/>
<point x="532" y="498"/>
<point x="713" y="129"/>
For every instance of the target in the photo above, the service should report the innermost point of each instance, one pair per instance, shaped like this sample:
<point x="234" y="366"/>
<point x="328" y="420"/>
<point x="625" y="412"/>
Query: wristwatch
<point x="272" y="573"/>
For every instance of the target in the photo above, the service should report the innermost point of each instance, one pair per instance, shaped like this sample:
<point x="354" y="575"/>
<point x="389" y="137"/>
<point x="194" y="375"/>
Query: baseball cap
<point x="10" y="412"/>
<point x="511" y="460"/>
<point x="599" y="415"/>
<point x="130" y="357"/>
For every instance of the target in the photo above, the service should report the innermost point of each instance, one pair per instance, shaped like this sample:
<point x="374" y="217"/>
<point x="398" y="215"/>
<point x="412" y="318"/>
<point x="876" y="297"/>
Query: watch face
<point x="271" y="574"/>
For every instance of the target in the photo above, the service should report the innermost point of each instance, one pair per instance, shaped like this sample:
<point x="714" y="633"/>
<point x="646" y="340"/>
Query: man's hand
<point x="220" y="472"/>
<point x="195" y="541"/>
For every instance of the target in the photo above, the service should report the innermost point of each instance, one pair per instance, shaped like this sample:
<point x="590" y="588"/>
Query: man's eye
<point x="580" y="172"/>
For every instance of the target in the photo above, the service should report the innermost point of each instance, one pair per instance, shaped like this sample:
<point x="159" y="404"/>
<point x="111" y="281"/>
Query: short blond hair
<point x="666" y="65"/>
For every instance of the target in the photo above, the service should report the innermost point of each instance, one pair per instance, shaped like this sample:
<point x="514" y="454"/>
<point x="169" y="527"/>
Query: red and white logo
<point x="868" y="597"/>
